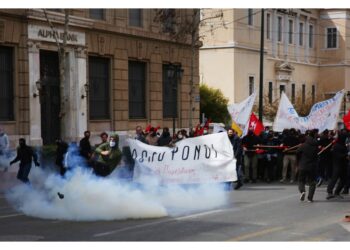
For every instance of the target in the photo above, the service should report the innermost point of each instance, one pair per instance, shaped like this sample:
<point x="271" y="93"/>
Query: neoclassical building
<point x="122" y="68"/>
<point x="306" y="52"/>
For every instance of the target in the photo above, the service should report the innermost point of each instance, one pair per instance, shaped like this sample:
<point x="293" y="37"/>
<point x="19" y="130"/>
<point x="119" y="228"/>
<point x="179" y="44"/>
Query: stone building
<point x="116" y="72"/>
<point x="305" y="53"/>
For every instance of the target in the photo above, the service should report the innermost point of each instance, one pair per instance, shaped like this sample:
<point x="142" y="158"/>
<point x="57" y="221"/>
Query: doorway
<point x="50" y="96"/>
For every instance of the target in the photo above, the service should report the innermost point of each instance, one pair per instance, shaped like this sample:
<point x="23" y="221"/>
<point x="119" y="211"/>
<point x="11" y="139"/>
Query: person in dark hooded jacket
<point x="339" y="159"/>
<point x="165" y="138"/>
<point x="308" y="153"/>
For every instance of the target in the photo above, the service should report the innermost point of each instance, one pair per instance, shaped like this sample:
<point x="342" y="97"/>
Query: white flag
<point x="240" y="112"/>
<point x="323" y="115"/>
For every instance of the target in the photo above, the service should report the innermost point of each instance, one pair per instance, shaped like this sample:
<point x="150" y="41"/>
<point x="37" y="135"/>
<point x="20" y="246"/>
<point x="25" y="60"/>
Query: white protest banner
<point x="323" y="115"/>
<point x="218" y="128"/>
<point x="240" y="112"/>
<point x="203" y="159"/>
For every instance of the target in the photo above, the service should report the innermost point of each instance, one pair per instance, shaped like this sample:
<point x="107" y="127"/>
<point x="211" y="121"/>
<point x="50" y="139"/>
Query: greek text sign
<point x="45" y="33"/>
<point x="203" y="159"/>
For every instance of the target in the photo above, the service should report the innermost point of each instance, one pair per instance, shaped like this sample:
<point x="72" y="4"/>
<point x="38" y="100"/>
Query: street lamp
<point x="175" y="73"/>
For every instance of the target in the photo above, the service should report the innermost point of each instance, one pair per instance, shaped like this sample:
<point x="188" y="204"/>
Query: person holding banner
<point x="308" y="153"/>
<point x="250" y="158"/>
<point x="290" y="141"/>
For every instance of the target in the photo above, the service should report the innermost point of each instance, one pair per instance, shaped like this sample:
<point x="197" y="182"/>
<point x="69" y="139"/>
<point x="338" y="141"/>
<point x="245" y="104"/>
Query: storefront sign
<point x="45" y="33"/>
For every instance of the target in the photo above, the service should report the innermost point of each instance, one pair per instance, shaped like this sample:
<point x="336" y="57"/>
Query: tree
<point x="186" y="30"/>
<point x="62" y="50"/>
<point x="214" y="104"/>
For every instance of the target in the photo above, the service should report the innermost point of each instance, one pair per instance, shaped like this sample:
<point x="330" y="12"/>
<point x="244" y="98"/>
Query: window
<point x="331" y="38"/>
<point x="99" y="88"/>
<point x="135" y="17"/>
<point x="137" y="90"/>
<point x="303" y="90"/>
<point x="250" y="17"/>
<point x="268" y="26"/>
<point x="170" y="90"/>
<point x="290" y="32"/>
<point x="270" y="92"/>
<point x="282" y="89"/>
<point x="311" y="36"/>
<point x="293" y="92"/>
<point x="97" y="14"/>
<point x="251" y="85"/>
<point x="313" y="93"/>
<point x="6" y="84"/>
<point x="301" y="34"/>
<point x="279" y="29"/>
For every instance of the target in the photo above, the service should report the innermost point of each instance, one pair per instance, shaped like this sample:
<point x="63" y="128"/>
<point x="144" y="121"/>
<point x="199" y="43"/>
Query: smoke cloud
<point x="90" y="198"/>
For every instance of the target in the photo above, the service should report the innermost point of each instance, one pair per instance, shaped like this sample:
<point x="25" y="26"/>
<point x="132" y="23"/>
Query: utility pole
<point x="261" y="82"/>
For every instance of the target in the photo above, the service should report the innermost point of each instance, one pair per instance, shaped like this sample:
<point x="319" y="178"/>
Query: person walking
<point x="340" y="163"/>
<point x="25" y="155"/>
<point x="308" y="166"/>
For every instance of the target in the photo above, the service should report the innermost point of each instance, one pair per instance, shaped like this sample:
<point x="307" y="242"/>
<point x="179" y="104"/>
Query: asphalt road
<point x="257" y="212"/>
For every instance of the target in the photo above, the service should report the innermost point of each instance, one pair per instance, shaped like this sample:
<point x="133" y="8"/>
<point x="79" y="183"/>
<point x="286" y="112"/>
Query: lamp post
<point x="175" y="73"/>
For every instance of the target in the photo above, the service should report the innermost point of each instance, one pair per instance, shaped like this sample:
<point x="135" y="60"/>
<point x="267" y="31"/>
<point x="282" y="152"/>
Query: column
<point x="307" y="36"/>
<point x="34" y="102"/>
<point x="81" y="117"/>
<point x="274" y="33"/>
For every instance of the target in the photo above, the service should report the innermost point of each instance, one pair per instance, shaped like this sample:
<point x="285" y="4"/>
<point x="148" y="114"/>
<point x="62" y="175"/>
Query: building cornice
<point x="230" y="46"/>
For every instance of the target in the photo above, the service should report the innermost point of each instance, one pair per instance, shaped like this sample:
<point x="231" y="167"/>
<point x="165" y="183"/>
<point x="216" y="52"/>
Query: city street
<point x="256" y="212"/>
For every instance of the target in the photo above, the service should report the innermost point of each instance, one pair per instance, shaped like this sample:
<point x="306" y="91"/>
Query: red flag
<point x="346" y="120"/>
<point x="255" y="124"/>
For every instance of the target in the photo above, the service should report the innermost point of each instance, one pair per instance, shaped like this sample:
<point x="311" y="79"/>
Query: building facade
<point x="116" y="72"/>
<point x="305" y="53"/>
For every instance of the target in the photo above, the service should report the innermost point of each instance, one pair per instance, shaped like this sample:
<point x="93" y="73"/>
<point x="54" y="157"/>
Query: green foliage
<point x="214" y="104"/>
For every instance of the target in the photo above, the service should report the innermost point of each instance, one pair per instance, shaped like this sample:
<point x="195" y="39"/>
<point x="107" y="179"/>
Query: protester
<point x="325" y="159"/>
<point x="152" y="138"/>
<point x="104" y="139"/>
<point x="270" y="157"/>
<point x="61" y="150"/>
<point x="4" y="146"/>
<point x="290" y="141"/>
<point x="85" y="146"/>
<point x="165" y="138"/>
<point x="308" y="166"/>
<point x="340" y="163"/>
<point x="140" y="135"/>
<point x="249" y="142"/>
<point x="25" y="155"/>
<point x="108" y="157"/>
<point x="238" y="154"/>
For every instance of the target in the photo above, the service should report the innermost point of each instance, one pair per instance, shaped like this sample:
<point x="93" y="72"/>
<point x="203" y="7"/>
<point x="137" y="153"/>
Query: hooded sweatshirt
<point x="308" y="154"/>
<point x="114" y="157"/>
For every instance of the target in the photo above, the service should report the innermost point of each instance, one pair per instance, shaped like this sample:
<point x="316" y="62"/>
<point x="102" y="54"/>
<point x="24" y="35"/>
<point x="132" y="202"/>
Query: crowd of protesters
<point x="290" y="156"/>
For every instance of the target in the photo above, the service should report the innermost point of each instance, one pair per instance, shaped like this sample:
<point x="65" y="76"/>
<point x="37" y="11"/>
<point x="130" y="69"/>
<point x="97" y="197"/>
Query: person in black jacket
<point x="238" y="154"/>
<point x="250" y="158"/>
<point x="85" y="146"/>
<point x="308" y="153"/>
<point x="339" y="159"/>
<point x="165" y="138"/>
<point x="61" y="150"/>
<point x="25" y="155"/>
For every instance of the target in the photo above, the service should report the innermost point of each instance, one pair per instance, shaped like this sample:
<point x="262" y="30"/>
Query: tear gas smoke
<point x="90" y="198"/>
